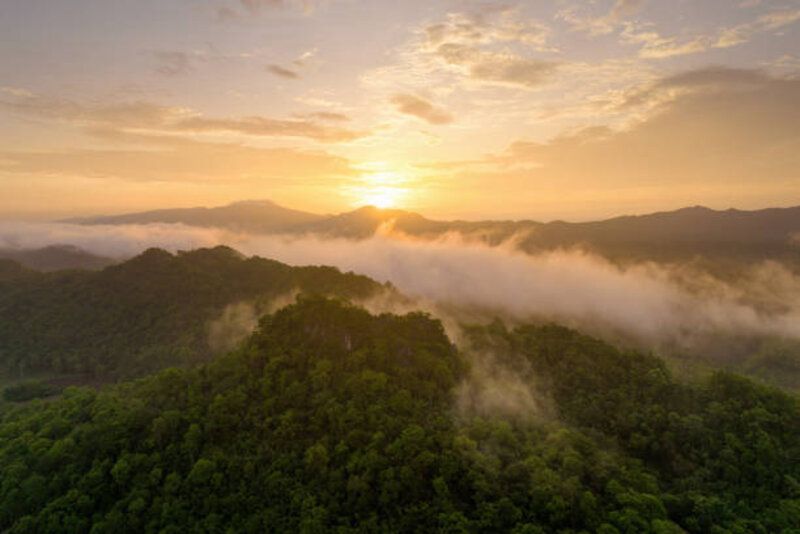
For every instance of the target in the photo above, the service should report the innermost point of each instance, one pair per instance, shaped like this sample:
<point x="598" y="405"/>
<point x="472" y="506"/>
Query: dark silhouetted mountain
<point x="254" y="216"/>
<point x="690" y="228"/>
<point x="364" y="222"/>
<point x="56" y="258"/>
<point x="673" y="235"/>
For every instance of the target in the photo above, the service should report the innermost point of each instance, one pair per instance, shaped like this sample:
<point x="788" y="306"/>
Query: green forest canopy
<point x="331" y="419"/>
<point x="142" y="315"/>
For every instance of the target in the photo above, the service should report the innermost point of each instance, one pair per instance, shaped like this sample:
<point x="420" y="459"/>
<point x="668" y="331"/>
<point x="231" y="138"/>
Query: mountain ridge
<point x="685" y="233"/>
<point x="263" y="208"/>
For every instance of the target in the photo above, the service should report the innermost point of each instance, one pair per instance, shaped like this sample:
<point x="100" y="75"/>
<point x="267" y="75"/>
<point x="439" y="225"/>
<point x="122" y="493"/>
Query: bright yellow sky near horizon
<point x="453" y="108"/>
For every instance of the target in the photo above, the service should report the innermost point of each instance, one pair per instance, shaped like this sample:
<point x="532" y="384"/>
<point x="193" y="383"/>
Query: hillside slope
<point x="144" y="314"/>
<point x="55" y="258"/>
<point x="330" y="419"/>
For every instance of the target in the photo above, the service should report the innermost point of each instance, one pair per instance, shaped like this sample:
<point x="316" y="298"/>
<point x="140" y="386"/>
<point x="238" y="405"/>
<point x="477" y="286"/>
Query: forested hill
<point x="55" y="258"/>
<point x="142" y="315"/>
<point x="329" y="419"/>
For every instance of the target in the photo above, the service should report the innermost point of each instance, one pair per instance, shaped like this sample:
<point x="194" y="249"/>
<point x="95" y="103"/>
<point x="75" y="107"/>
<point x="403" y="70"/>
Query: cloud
<point x="604" y="24"/>
<point x="494" y="46"/>
<point x="298" y="63"/>
<point x="503" y="25"/>
<point x="146" y="115"/>
<point x="421" y="108"/>
<point x="464" y="40"/>
<point x="305" y="57"/>
<point x="744" y="32"/>
<point x="168" y="159"/>
<point x="255" y="7"/>
<point x="173" y="63"/>
<point x="641" y="302"/>
<point x="709" y="79"/>
<point x="494" y="387"/>
<point x="710" y="125"/>
<point x="656" y="46"/>
<point x="283" y="72"/>
<point x="496" y="67"/>
<point x="331" y="116"/>
<point x="625" y="8"/>
<point x="510" y="69"/>
<point x="262" y="126"/>
<point x="722" y="135"/>
<point x="136" y="114"/>
<point x="233" y="326"/>
<point x="117" y="242"/>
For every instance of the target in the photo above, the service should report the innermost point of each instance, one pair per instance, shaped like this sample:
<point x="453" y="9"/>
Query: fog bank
<point x="642" y="301"/>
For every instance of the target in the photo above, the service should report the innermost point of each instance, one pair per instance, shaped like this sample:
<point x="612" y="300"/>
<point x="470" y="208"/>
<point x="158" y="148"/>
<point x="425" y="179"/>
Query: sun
<point x="384" y="189"/>
<point x="381" y="197"/>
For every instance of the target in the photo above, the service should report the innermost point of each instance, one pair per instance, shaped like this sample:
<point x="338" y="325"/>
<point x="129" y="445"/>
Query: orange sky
<point x="465" y="109"/>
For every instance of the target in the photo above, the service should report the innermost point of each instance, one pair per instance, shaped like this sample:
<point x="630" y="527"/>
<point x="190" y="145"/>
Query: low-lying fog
<point x="646" y="301"/>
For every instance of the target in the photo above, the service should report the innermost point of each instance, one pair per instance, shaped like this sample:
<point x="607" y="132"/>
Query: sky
<point x="454" y="108"/>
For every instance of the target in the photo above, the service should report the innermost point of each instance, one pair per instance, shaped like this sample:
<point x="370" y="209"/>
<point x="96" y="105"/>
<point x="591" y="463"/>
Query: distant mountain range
<point x="687" y="232"/>
<point x="258" y="216"/>
<point x="55" y="258"/>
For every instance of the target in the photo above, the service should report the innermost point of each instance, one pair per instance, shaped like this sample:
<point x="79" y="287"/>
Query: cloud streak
<point x="654" y="45"/>
<point x="420" y="108"/>
<point x="142" y="115"/>
<point x="173" y="63"/>
<point x="283" y="72"/>
<point x="178" y="160"/>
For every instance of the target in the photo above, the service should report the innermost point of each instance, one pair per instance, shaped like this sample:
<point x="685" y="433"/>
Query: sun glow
<point x="382" y="197"/>
<point x="382" y="189"/>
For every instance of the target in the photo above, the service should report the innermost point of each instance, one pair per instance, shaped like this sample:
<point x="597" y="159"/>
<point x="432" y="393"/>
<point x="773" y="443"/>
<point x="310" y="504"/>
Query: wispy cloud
<point x="422" y="109"/>
<point x="744" y="32"/>
<point x="173" y="63"/>
<point x="283" y="72"/>
<point x="293" y="72"/>
<point x="239" y="8"/>
<point x="654" y="45"/>
<point x="603" y="24"/>
<point x="171" y="160"/>
<point x="155" y="117"/>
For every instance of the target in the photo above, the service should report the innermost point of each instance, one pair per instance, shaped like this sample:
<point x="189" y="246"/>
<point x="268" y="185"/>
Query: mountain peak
<point x="255" y="202"/>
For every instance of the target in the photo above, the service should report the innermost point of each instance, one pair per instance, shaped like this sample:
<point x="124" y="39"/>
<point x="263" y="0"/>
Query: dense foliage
<point x="331" y="419"/>
<point x="142" y="315"/>
<point x="29" y="389"/>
